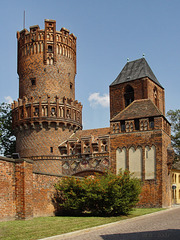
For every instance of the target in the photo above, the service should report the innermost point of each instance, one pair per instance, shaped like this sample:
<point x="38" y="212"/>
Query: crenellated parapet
<point x="48" y="42"/>
<point x="46" y="62"/>
<point x="66" y="113"/>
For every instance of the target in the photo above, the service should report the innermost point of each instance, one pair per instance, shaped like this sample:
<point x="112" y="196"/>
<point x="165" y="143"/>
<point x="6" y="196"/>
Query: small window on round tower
<point x="71" y="85"/>
<point x="50" y="49"/>
<point x="33" y="81"/>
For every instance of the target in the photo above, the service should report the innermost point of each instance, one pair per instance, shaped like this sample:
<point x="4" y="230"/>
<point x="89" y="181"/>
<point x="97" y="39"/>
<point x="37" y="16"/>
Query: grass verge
<point x="42" y="227"/>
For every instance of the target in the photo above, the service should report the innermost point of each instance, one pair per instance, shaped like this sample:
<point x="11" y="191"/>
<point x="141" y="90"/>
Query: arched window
<point x="128" y="95"/>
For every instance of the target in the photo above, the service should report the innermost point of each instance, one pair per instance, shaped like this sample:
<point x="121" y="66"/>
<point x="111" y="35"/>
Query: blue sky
<point x="108" y="32"/>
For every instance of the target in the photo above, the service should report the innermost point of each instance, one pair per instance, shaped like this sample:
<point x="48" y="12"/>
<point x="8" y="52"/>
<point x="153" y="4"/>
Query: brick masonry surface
<point x="143" y="89"/>
<point x="47" y="121"/>
<point x="153" y="194"/>
<point x="7" y="189"/>
<point x="25" y="194"/>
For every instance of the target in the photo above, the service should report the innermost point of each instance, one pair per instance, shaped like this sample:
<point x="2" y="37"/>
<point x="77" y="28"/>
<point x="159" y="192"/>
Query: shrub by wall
<point x="98" y="195"/>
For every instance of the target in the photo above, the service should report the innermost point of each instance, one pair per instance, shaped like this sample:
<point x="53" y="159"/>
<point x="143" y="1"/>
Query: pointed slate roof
<point x="138" y="109"/>
<point x="134" y="70"/>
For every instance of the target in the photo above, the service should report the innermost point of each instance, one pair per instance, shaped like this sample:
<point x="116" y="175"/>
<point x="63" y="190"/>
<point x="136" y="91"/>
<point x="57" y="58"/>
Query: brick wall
<point x="16" y="189"/>
<point x="24" y="194"/>
<point x="51" y="80"/>
<point x="160" y="95"/>
<point x="143" y="89"/>
<point x="156" y="192"/>
<point x="7" y="189"/>
<point x="37" y="142"/>
<point x="24" y="188"/>
<point x="166" y="178"/>
<point x="43" y="194"/>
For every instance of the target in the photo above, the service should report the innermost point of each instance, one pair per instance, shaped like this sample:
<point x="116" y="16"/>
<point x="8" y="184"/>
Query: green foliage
<point x="7" y="138"/>
<point x="174" y="117"/>
<point x="109" y="194"/>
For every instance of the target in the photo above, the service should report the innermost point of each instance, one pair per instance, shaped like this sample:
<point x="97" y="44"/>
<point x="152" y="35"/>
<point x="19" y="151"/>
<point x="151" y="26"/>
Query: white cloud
<point x="8" y="99"/>
<point x="95" y="99"/>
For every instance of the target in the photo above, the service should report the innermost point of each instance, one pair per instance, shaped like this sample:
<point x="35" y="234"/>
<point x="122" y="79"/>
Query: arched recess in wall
<point x="120" y="159"/>
<point x="155" y="93"/>
<point x="150" y="162"/>
<point x="128" y="95"/>
<point x="135" y="161"/>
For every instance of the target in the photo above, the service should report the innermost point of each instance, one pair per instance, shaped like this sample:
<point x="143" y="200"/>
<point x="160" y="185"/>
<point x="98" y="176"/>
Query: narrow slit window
<point x="123" y="128"/>
<point x="151" y="122"/>
<point x="51" y="149"/>
<point x="50" y="49"/>
<point x="33" y="81"/>
<point x="136" y="122"/>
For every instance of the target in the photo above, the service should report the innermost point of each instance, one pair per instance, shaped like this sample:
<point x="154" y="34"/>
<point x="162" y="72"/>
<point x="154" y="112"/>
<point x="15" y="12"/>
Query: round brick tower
<point x="46" y="113"/>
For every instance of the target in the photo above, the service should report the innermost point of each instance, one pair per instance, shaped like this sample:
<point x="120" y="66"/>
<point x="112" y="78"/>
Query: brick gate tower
<point x="46" y="112"/>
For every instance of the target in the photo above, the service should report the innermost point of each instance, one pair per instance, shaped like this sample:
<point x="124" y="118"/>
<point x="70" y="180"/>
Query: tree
<point x="174" y="117"/>
<point x="7" y="138"/>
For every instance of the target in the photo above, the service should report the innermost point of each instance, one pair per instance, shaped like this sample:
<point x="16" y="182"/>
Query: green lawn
<point x="42" y="227"/>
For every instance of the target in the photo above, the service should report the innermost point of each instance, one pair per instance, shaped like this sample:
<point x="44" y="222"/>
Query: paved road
<point x="161" y="225"/>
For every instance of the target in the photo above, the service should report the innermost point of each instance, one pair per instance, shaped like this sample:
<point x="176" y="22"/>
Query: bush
<point x="98" y="195"/>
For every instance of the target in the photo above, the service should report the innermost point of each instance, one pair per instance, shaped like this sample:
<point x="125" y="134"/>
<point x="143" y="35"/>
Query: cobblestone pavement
<point x="161" y="225"/>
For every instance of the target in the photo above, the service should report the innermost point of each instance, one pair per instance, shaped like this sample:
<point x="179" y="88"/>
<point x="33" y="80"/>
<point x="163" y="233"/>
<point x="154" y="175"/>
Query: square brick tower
<point x="140" y="133"/>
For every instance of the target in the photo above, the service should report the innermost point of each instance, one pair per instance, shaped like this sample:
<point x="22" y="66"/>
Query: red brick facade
<point x="47" y="121"/>
<point x="143" y="89"/>
<point x="46" y="113"/>
<point x="7" y="189"/>
<point x="24" y="193"/>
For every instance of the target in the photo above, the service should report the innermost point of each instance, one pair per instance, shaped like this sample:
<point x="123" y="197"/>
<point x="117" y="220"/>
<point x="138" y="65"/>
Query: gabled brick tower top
<point x="136" y="81"/>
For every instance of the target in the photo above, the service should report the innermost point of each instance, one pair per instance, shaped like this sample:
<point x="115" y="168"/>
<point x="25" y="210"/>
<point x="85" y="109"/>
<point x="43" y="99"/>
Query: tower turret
<point x="46" y="112"/>
<point x="46" y="62"/>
